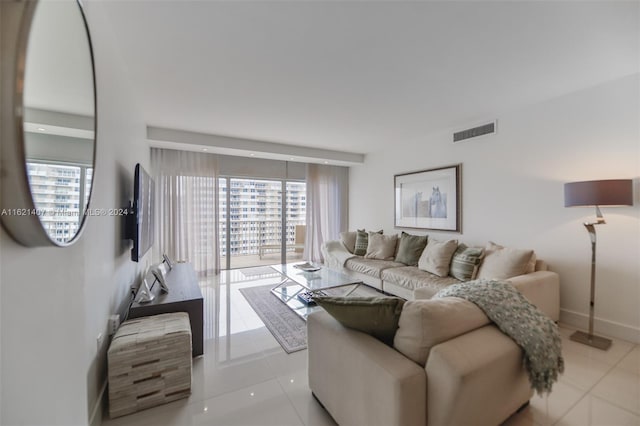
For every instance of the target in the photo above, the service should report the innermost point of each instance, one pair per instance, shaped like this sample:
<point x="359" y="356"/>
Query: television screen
<point x="143" y="203"/>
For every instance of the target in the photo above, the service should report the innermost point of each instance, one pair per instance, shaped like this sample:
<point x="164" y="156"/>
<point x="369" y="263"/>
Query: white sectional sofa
<point x="471" y="373"/>
<point x="541" y="287"/>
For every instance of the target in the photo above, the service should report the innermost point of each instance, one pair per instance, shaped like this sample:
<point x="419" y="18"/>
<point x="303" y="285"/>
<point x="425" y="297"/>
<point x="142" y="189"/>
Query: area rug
<point x="286" y="326"/>
<point x="259" y="270"/>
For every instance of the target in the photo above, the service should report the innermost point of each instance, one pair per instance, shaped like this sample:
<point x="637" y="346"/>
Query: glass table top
<point x="323" y="278"/>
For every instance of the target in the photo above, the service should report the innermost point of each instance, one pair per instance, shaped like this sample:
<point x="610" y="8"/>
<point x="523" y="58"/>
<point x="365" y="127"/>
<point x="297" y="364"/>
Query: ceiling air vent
<point x="485" y="129"/>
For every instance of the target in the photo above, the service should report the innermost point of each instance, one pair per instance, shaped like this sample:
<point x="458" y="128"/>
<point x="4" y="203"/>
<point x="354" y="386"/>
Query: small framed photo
<point x="167" y="261"/>
<point x="429" y="199"/>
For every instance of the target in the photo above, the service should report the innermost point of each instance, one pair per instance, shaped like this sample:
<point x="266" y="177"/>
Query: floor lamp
<point x="596" y="193"/>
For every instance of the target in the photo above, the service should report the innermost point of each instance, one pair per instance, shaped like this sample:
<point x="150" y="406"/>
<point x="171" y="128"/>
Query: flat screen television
<point x="141" y="218"/>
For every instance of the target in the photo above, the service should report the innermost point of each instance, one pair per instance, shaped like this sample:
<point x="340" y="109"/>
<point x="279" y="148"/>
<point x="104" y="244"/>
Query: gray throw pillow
<point x="465" y="262"/>
<point x="410" y="248"/>
<point x="376" y="316"/>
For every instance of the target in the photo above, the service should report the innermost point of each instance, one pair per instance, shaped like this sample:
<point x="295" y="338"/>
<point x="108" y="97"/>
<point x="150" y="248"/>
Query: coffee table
<point x="296" y="282"/>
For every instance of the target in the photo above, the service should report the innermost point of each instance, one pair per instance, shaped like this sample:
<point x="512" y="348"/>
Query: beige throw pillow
<point x="501" y="263"/>
<point x="349" y="240"/>
<point x="381" y="247"/>
<point x="426" y="323"/>
<point x="436" y="256"/>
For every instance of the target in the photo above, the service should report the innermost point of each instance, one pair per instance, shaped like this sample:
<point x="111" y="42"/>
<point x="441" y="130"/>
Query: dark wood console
<point x="184" y="296"/>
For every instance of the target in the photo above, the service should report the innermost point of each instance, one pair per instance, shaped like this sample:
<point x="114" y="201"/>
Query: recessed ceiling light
<point x="205" y="149"/>
<point x="42" y="129"/>
<point x="326" y="162"/>
<point x="291" y="158"/>
<point x="253" y="155"/>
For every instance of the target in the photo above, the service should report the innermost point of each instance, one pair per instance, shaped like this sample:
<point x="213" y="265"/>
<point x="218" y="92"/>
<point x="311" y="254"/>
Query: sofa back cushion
<point x="381" y="247"/>
<point x="436" y="256"/>
<point x="466" y="262"/>
<point x="410" y="248"/>
<point x="362" y="241"/>
<point x="502" y="263"/>
<point x="349" y="240"/>
<point x="426" y="323"/>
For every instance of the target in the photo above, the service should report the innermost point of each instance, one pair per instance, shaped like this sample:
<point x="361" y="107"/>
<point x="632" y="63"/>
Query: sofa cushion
<point x="411" y="277"/>
<point x="425" y="323"/>
<point x="373" y="267"/>
<point x="376" y="316"/>
<point x="349" y="240"/>
<point x="362" y="241"/>
<point x="436" y="256"/>
<point x="466" y="262"/>
<point x="504" y="262"/>
<point x="410" y="248"/>
<point x="381" y="247"/>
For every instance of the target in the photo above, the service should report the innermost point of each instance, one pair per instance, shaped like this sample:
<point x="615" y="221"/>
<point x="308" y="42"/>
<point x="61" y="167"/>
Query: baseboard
<point x="98" y="405"/>
<point x="601" y="326"/>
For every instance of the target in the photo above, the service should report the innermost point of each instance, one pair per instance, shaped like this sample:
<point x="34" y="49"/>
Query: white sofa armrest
<point x="477" y="378"/>
<point x="542" y="288"/>
<point x="335" y="254"/>
<point x="360" y="380"/>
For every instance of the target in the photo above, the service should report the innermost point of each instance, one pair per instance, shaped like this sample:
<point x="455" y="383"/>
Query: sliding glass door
<point x="253" y="228"/>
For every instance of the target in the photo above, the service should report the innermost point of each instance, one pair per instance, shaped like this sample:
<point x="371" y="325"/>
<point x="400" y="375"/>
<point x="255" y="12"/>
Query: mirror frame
<point x="15" y="193"/>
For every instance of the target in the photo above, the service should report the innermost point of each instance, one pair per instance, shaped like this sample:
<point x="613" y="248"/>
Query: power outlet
<point x="114" y="323"/>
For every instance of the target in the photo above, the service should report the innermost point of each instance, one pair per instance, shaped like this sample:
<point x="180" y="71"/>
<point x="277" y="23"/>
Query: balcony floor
<point x="246" y="261"/>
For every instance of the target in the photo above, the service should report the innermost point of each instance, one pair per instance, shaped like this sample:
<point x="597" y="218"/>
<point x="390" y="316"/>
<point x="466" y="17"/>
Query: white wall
<point x="512" y="189"/>
<point x="54" y="302"/>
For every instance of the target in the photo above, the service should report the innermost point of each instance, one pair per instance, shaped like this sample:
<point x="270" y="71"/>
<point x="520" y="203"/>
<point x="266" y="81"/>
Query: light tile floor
<point x="245" y="378"/>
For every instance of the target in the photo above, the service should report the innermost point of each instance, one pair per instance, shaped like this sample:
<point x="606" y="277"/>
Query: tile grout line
<point x="588" y="391"/>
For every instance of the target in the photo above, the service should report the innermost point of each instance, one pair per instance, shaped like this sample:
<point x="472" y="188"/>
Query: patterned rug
<point x="286" y="326"/>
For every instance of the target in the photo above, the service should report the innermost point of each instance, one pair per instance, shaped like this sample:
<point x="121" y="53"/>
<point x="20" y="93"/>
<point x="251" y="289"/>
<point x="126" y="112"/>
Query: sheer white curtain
<point x="327" y="206"/>
<point x="187" y="207"/>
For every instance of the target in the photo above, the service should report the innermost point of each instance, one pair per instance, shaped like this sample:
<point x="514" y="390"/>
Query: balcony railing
<point x="247" y="236"/>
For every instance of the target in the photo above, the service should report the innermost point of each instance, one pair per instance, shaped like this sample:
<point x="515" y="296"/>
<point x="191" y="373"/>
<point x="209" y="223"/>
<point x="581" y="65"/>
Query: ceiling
<point x="361" y="75"/>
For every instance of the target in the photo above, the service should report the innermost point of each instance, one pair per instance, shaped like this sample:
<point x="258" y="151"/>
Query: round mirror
<point x="53" y="148"/>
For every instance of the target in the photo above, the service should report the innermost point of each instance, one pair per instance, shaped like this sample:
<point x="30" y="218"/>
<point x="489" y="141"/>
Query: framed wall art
<point x="429" y="199"/>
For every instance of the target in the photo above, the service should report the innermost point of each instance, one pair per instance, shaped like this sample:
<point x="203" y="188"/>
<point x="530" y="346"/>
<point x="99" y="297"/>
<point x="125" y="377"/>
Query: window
<point x="58" y="191"/>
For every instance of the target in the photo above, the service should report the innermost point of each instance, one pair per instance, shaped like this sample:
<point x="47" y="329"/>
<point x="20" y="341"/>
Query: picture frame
<point x="159" y="272"/>
<point x="429" y="199"/>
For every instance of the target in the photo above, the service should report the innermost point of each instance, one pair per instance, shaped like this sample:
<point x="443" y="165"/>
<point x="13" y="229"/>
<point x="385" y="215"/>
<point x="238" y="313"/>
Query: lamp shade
<point x="614" y="192"/>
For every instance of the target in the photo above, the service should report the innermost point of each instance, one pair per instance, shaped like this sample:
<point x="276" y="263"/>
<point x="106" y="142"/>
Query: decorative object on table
<point x="307" y="267"/>
<point x="429" y="199"/>
<point x="144" y="294"/>
<point x="615" y="192"/>
<point x="159" y="272"/>
<point x="167" y="260"/>
<point x="149" y="363"/>
<point x="306" y="297"/>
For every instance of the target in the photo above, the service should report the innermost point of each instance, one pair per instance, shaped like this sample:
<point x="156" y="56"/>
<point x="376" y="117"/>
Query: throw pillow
<point x="466" y="262"/>
<point x="362" y="241"/>
<point x="426" y="323"/>
<point x="376" y="316"/>
<point x="501" y="263"/>
<point x="410" y="248"/>
<point x="349" y="240"/>
<point x="381" y="247"/>
<point x="436" y="257"/>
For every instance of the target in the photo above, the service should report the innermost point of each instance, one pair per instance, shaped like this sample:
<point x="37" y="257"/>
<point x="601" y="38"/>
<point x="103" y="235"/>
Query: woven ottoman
<point x="149" y="363"/>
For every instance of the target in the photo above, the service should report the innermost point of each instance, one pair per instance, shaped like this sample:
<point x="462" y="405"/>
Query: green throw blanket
<point x="519" y="319"/>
